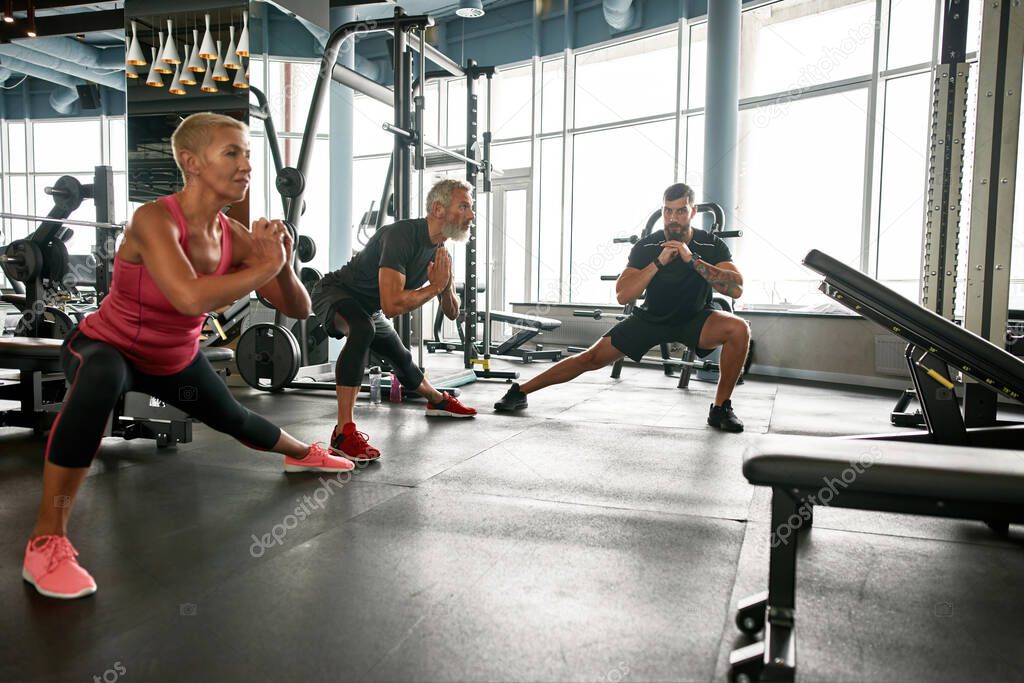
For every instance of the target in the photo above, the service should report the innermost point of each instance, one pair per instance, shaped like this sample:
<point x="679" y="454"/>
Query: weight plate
<point x="267" y="356"/>
<point x="29" y="260"/>
<point x="56" y="323"/>
<point x="720" y="304"/>
<point x="57" y="261"/>
<point x="67" y="194"/>
<point x="305" y="248"/>
<point x="290" y="182"/>
<point x="316" y="340"/>
<point x="309" y="277"/>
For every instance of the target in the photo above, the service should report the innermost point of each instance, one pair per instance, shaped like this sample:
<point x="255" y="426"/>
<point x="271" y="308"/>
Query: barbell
<point x="63" y="221"/>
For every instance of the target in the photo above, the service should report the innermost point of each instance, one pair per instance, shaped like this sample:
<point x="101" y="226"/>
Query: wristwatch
<point x="658" y="264"/>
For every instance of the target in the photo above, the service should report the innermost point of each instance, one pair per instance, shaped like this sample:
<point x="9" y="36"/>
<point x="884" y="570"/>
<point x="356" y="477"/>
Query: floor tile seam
<point x="729" y="630"/>
<point x="582" y="504"/>
<point x="489" y="447"/>
<point x="996" y="543"/>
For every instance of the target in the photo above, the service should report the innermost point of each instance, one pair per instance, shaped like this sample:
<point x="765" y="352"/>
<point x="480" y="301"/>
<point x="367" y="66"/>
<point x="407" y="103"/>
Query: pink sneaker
<point x="51" y="567"/>
<point x="317" y="460"/>
<point x="449" y="406"/>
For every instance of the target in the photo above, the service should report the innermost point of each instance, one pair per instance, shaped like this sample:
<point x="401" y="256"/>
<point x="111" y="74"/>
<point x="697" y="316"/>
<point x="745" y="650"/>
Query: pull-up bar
<point x="395" y="130"/>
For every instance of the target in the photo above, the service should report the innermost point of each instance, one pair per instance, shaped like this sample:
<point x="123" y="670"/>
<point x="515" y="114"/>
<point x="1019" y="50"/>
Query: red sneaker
<point x="317" y="459"/>
<point x="51" y="567"/>
<point x="449" y="406"/>
<point x="352" y="444"/>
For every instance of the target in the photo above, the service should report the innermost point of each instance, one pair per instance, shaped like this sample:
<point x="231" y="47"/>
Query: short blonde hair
<point x="194" y="132"/>
<point x="441" y="193"/>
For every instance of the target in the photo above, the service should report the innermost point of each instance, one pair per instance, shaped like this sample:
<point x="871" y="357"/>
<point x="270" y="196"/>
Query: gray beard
<point x="454" y="231"/>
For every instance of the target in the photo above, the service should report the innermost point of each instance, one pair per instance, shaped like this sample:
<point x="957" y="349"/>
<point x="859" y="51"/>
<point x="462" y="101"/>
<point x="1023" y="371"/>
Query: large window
<point x="38" y="153"/>
<point x="831" y="151"/>
<point x="794" y="198"/>
<point x="627" y="81"/>
<point x="902" y="182"/>
<point x="796" y="44"/>
<point x="614" y="199"/>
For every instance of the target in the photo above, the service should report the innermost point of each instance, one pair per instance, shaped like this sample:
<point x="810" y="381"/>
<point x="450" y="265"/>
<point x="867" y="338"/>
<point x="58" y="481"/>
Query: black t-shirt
<point x="677" y="291"/>
<point x="404" y="246"/>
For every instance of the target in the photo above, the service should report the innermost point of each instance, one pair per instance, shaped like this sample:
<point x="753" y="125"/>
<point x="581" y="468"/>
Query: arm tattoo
<point x="723" y="281"/>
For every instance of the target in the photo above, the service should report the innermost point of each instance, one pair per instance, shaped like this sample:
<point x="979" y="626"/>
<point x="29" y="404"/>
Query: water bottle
<point x="375" y="386"/>
<point x="396" y="389"/>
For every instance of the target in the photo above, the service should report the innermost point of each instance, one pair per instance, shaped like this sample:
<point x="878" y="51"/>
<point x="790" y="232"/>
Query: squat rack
<point x="290" y="181"/>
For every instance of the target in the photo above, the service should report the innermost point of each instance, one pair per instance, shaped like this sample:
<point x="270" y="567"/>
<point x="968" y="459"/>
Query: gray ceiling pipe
<point x="58" y="99"/>
<point x="67" y="55"/>
<point x="63" y="99"/>
<point x="372" y="68"/>
<point x="620" y="14"/>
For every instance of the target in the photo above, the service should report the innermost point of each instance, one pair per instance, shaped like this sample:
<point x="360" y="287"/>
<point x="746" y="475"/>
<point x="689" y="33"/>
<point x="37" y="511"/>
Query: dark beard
<point x="677" y="233"/>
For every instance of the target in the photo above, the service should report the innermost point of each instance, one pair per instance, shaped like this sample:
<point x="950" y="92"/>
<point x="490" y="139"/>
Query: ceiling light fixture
<point x="195" y="62"/>
<point x="8" y="11"/>
<point x="176" y="87"/>
<point x="30" y="30"/>
<point x="241" y="79"/>
<point x="170" y="54"/>
<point x="209" y="85"/>
<point x="154" y="79"/>
<point x="207" y="49"/>
<point x="243" y="40"/>
<point x="162" y="67"/>
<point x="136" y="56"/>
<point x="187" y="76"/>
<point x="470" y="9"/>
<point x="219" y="72"/>
<point x="231" y="56"/>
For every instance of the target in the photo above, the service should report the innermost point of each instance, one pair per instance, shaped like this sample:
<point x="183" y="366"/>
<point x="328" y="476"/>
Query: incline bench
<point x="527" y="328"/>
<point x="40" y="387"/>
<point x="950" y="471"/>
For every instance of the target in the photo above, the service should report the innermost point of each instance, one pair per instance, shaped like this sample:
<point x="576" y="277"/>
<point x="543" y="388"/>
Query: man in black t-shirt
<point x="678" y="267"/>
<point x="403" y="266"/>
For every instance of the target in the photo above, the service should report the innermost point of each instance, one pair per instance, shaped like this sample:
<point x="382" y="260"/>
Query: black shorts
<point x="635" y="336"/>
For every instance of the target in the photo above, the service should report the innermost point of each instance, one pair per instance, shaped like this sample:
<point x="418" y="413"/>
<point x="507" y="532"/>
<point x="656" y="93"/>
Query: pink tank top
<point x="138" y="320"/>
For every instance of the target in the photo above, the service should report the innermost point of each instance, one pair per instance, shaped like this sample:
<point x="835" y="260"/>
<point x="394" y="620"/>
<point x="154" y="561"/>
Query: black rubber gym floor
<point x="603" y="535"/>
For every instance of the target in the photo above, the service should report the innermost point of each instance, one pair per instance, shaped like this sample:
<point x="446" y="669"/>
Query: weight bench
<point x="916" y="478"/>
<point x="39" y="389"/>
<point x="527" y="327"/>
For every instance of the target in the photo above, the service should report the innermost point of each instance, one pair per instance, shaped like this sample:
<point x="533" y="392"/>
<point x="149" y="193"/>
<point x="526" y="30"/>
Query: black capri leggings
<point x="99" y="375"/>
<point x="365" y="332"/>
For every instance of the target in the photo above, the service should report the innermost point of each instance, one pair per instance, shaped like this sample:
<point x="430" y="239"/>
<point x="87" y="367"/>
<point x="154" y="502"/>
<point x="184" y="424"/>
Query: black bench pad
<point x="535" y="322"/>
<point x="16" y="351"/>
<point x="979" y="475"/>
<point x="216" y="354"/>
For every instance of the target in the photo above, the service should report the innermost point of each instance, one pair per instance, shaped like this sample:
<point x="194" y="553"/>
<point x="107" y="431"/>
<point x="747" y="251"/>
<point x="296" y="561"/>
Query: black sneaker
<point x="512" y="400"/>
<point x="722" y="417"/>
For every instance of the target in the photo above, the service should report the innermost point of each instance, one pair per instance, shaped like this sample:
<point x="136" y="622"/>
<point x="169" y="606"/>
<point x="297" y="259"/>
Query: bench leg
<point x="774" y="658"/>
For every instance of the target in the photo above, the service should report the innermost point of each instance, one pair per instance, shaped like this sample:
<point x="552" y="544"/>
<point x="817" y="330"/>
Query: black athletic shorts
<point x="635" y="336"/>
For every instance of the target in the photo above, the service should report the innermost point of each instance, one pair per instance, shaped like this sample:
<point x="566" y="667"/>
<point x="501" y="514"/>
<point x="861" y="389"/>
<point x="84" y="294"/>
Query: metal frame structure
<point x="994" y="185"/>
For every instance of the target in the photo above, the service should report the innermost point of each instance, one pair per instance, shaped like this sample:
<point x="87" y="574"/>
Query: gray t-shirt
<point x="404" y="246"/>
